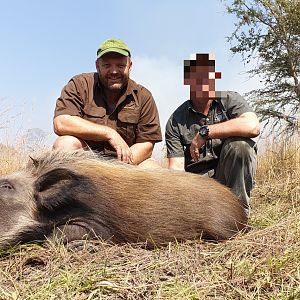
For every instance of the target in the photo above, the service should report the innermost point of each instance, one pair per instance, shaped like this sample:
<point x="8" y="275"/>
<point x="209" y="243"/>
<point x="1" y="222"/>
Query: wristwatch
<point x="204" y="132"/>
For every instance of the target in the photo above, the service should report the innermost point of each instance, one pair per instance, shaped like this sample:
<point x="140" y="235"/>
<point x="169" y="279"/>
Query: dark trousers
<point x="237" y="167"/>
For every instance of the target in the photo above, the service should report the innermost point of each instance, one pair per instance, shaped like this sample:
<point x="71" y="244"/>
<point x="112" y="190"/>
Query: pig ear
<point x="34" y="161"/>
<point x="59" y="187"/>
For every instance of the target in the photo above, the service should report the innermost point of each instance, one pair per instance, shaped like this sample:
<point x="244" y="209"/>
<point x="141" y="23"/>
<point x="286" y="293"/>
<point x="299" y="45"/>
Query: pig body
<point x="80" y="196"/>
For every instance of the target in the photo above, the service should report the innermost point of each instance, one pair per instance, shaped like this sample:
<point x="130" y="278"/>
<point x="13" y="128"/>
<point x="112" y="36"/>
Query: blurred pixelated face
<point x="200" y="75"/>
<point x="114" y="70"/>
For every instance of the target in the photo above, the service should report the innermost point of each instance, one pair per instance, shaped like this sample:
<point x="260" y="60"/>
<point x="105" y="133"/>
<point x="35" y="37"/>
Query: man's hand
<point x="124" y="153"/>
<point x="196" y="144"/>
<point x="87" y="130"/>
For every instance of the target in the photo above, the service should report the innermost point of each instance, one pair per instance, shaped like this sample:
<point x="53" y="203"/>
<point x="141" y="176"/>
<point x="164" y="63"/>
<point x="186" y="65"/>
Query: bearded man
<point x="108" y="112"/>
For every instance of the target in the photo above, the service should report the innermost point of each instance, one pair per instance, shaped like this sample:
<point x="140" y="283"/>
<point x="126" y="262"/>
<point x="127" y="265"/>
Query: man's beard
<point x="202" y="94"/>
<point x="113" y="85"/>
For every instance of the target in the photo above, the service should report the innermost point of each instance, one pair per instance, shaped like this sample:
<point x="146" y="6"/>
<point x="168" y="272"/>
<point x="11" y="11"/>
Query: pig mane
<point x="50" y="160"/>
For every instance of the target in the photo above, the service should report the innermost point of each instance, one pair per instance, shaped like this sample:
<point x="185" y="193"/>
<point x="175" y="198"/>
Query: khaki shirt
<point x="135" y="117"/>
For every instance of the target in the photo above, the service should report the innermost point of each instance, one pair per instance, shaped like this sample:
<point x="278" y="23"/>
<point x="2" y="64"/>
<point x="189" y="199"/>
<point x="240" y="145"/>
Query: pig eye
<point x="6" y="186"/>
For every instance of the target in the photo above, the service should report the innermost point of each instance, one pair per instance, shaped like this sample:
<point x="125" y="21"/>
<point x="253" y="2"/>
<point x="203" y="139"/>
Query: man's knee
<point x="239" y="147"/>
<point x="68" y="143"/>
<point x="150" y="163"/>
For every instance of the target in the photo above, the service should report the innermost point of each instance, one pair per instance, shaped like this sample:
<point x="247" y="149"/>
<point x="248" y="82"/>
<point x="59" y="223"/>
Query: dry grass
<point x="263" y="264"/>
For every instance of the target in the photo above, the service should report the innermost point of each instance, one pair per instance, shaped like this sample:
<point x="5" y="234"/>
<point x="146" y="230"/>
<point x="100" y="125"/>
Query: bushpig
<point x="82" y="196"/>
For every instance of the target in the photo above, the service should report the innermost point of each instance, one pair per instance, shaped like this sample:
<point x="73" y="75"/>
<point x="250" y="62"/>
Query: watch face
<point x="203" y="131"/>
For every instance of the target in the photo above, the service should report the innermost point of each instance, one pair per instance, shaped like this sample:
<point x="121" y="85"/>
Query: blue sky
<point x="45" y="43"/>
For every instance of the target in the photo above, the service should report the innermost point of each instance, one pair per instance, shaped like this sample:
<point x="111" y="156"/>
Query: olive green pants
<point x="237" y="167"/>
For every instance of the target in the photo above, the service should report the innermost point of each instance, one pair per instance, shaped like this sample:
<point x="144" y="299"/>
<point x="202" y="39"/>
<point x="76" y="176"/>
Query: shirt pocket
<point x="127" y="124"/>
<point x="94" y="114"/>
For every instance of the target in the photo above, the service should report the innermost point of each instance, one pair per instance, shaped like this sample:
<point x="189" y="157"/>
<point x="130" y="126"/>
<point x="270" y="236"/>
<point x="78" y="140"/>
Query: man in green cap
<point x="108" y="112"/>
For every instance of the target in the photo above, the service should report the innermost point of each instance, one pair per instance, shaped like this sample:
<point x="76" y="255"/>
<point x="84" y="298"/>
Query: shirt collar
<point x="191" y="107"/>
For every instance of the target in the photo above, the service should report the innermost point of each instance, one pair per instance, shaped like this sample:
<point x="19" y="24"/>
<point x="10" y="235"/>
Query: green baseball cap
<point x="113" y="45"/>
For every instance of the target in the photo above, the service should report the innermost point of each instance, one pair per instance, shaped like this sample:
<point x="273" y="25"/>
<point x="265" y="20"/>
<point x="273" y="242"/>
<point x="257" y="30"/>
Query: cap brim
<point x="116" y="50"/>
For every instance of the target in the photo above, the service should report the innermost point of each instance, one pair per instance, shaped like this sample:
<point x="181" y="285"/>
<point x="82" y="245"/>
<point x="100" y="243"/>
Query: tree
<point x="269" y="32"/>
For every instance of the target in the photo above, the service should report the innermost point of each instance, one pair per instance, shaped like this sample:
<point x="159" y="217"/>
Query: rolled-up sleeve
<point x="148" y="125"/>
<point x="236" y="105"/>
<point x="172" y="137"/>
<point x="70" y="101"/>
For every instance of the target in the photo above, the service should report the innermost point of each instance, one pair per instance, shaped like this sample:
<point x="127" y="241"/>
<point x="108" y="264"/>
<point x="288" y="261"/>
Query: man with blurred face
<point x="108" y="112"/>
<point x="211" y="132"/>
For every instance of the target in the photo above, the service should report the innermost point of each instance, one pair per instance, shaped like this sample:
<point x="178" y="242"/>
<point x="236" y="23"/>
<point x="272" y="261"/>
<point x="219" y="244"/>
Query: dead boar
<point x="83" y="196"/>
